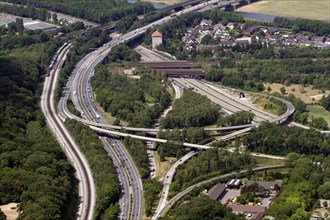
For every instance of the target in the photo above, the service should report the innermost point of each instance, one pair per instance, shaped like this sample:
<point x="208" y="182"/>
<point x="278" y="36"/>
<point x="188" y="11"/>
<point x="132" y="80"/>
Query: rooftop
<point x="156" y="34"/>
<point x="216" y="191"/>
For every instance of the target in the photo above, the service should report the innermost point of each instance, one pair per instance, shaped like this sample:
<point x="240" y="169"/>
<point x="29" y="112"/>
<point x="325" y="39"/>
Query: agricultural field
<point x="316" y="9"/>
<point x="318" y="111"/>
<point x="307" y="93"/>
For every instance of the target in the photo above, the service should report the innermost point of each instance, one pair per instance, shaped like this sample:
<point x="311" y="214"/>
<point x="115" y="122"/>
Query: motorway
<point x="189" y="189"/>
<point x="81" y="93"/>
<point x="72" y="151"/>
<point x="131" y="201"/>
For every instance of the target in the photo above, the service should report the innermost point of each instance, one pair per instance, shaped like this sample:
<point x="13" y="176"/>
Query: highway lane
<point x="91" y="112"/>
<point x="272" y="118"/>
<point x="149" y="55"/>
<point x="226" y="100"/>
<point x="90" y="61"/>
<point x="178" y="196"/>
<point x="168" y="180"/>
<point x="84" y="175"/>
<point x="124" y="201"/>
<point x="130" y="197"/>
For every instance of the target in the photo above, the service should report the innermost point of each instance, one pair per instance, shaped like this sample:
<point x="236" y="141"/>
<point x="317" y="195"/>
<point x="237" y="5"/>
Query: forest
<point x="250" y="74"/>
<point x="206" y="164"/>
<point x="34" y="170"/>
<point x="307" y="182"/>
<point x="191" y="110"/>
<point x="203" y="208"/>
<point x="104" y="173"/>
<point x="101" y="11"/>
<point x="137" y="101"/>
<point x="273" y="139"/>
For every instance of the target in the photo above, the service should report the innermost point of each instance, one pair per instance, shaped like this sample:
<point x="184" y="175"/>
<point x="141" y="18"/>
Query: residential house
<point x="251" y="30"/>
<point x="250" y="212"/>
<point x="217" y="191"/>
<point x="205" y="23"/>
<point x="230" y="25"/>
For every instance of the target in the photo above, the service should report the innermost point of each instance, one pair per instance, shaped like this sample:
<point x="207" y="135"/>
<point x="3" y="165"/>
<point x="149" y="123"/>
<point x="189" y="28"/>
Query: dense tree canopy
<point x="325" y="102"/>
<point x="300" y="192"/>
<point x="202" y="208"/>
<point x="137" y="101"/>
<point x="280" y="140"/>
<point x="100" y="11"/>
<point x="138" y="150"/>
<point x="192" y="110"/>
<point x="34" y="171"/>
<point x="237" y="118"/>
<point x="104" y="173"/>
<point x="321" y="28"/>
<point x="122" y="52"/>
<point x="176" y="137"/>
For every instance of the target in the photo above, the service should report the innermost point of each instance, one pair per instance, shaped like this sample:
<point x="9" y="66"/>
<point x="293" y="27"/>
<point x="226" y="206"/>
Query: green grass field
<point x="311" y="9"/>
<point x="318" y="111"/>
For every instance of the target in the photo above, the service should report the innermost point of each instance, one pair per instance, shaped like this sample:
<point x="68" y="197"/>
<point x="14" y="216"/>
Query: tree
<point x="325" y="204"/>
<point x="19" y="25"/>
<point x="325" y="102"/>
<point x="54" y="16"/>
<point x="202" y="208"/>
<point x="320" y="123"/>
<point x="44" y="37"/>
<point x="214" y="74"/>
<point x="207" y="39"/>
<point x="282" y="90"/>
<point x="116" y="122"/>
<point x="324" y="190"/>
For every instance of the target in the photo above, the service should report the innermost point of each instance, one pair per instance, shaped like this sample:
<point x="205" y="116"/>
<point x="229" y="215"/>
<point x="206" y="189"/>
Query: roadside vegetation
<point x="273" y="139"/>
<point x="34" y="170"/>
<point x="191" y="110"/>
<point x="137" y="150"/>
<point x="237" y="118"/>
<point x="104" y="173"/>
<point x="152" y="189"/>
<point x="174" y="148"/>
<point x="124" y="97"/>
